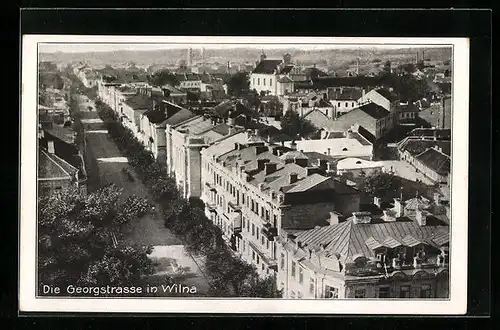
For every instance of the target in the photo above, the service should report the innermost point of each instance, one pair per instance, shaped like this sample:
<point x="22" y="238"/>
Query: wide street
<point x="104" y="165"/>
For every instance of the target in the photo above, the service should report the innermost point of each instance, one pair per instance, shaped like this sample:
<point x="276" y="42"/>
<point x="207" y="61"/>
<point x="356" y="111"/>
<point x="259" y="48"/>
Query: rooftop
<point x="51" y="166"/>
<point x="374" y="110"/>
<point x="436" y="161"/>
<point x="388" y="94"/>
<point x="267" y="66"/>
<point x="139" y="102"/>
<point x="346" y="94"/>
<point x="417" y="145"/>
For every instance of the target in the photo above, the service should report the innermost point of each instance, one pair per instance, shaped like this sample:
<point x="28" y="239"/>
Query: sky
<point x="90" y="44"/>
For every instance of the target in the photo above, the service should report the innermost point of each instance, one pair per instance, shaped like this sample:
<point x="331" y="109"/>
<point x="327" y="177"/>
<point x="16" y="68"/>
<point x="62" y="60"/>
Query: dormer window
<point x="345" y="149"/>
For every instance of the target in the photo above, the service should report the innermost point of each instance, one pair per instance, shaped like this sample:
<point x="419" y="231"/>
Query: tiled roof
<point x="286" y="69"/>
<point x="139" y="102"/>
<point x="62" y="133"/>
<point x="155" y="116"/>
<point x="387" y="94"/>
<point x="374" y="110"/>
<point x="51" y="166"/>
<point x="348" y="239"/>
<point x="267" y="66"/>
<point x="195" y="125"/>
<point x="179" y="117"/>
<point x="415" y="145"/>
<point x="436" y="161"/>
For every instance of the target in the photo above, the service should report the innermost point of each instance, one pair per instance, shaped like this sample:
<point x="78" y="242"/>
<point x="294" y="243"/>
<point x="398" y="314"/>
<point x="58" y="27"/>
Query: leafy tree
<point x="381" y="184"/>
<point x="76" y="240"/>
<point x="293" y="125"/>
<point x="238" y="83"/>
<point x="163" y="77"/>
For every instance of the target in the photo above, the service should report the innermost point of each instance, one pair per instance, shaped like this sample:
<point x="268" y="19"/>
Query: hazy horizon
<point x="113" y="47"/>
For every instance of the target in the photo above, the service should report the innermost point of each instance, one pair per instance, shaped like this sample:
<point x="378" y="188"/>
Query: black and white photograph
<point x="263" y="171"/>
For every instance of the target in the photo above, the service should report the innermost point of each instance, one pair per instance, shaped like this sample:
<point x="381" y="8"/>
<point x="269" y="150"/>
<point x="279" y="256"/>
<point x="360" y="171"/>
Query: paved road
<point x="109" y="163"/>
<point x="106" y="164"/>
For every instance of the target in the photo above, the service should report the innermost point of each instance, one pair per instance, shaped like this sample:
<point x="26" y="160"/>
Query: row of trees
<point x="228" y="274"/>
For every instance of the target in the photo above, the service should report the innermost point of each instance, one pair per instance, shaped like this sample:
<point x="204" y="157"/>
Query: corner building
<point x="255" y="191"/>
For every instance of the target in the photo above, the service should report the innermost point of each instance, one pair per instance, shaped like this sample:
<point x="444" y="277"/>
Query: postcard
<point x="255" y="175"/>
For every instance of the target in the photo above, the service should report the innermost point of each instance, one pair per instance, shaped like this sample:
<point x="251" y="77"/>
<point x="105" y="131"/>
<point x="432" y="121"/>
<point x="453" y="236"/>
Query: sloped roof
<point x="286" y="69"/>
<point x="388" y="94"/>
<point x="374" y="110"/>
<point x="416" y="145"/>
<point x="285" y="79"/>
<point x="436" y="161"/>
<point x="139" y="102"/>
<point x="266" y="66"/>
<point x="349" y="239"/>
<point x="180" y="116"/>
<point x="52" y="166"/>
<point x="155" y="116"/>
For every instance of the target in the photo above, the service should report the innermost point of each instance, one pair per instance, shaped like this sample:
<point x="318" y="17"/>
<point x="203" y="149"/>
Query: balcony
<point x="210" y="186"/>
<point x="269" y="231"/>
<point x="212" y="207"/>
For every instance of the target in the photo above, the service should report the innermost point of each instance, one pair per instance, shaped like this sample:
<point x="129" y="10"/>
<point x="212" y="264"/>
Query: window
<point x="253" y="229"/>
<point x="311" y="285"/>
<point x="404" y="291"/>
<point x="338" y="104"/>
<point x="258" y="259"/>
<point x="331" y="292"/>
<point x="257" y="233"/>
<point x="353" y="104"/>
<point x="243" y="222"/>
<point x="253" y="255"/>
<point x="359" y="293"/>
<point x="384" y="292"/>
<point x="258" y="81"/>
<point x="243" y="245"/>
<point x="425" y="291"/>
<point x="346" y="104"/>
<point x="293" y="269"/>
<point x="263" y="267"/>
<point x="253" y="81"/>
<point x="282" y="261"/>
<point x="301" y="275"/>
<point x="270" y="82"/>
<point x="264" y="81"/>
<point x="267" y="244"/>
<point x="262" y="240"/>
<point x="262" y="211"/>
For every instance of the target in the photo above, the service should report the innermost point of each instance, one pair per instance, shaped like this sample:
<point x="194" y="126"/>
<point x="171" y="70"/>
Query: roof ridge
<point x="49" y="156"/>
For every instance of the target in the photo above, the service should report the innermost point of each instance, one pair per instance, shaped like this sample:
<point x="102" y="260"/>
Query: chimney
<point x="293" y="177"/>
<point x="312" y="170"/>
<point x="261" y="163"/>
<point x="50" y="147"/>
<point x="331" y="168"/>
<point x="335" y="218"/>
<point x="270" y="167"/>
<point x="361" y="217"/>
<point x="421" y="217"/>
<point x="349" y="134"/>
<point x="302" y="162"/>
<point x="377" y="201"/>
<point x="260" y="149"/>
<point x="388" y="217"/>
<point x="398" y="207"/>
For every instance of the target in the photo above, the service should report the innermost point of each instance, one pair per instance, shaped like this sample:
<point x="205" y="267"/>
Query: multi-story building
<point x="272" y="77"/>
<point x="398" y="253"/>
<point x="381" y="96"/>
<point x="185" y="140"/>
<point x="344" y="99"/>
<point x="255" y="191"/>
